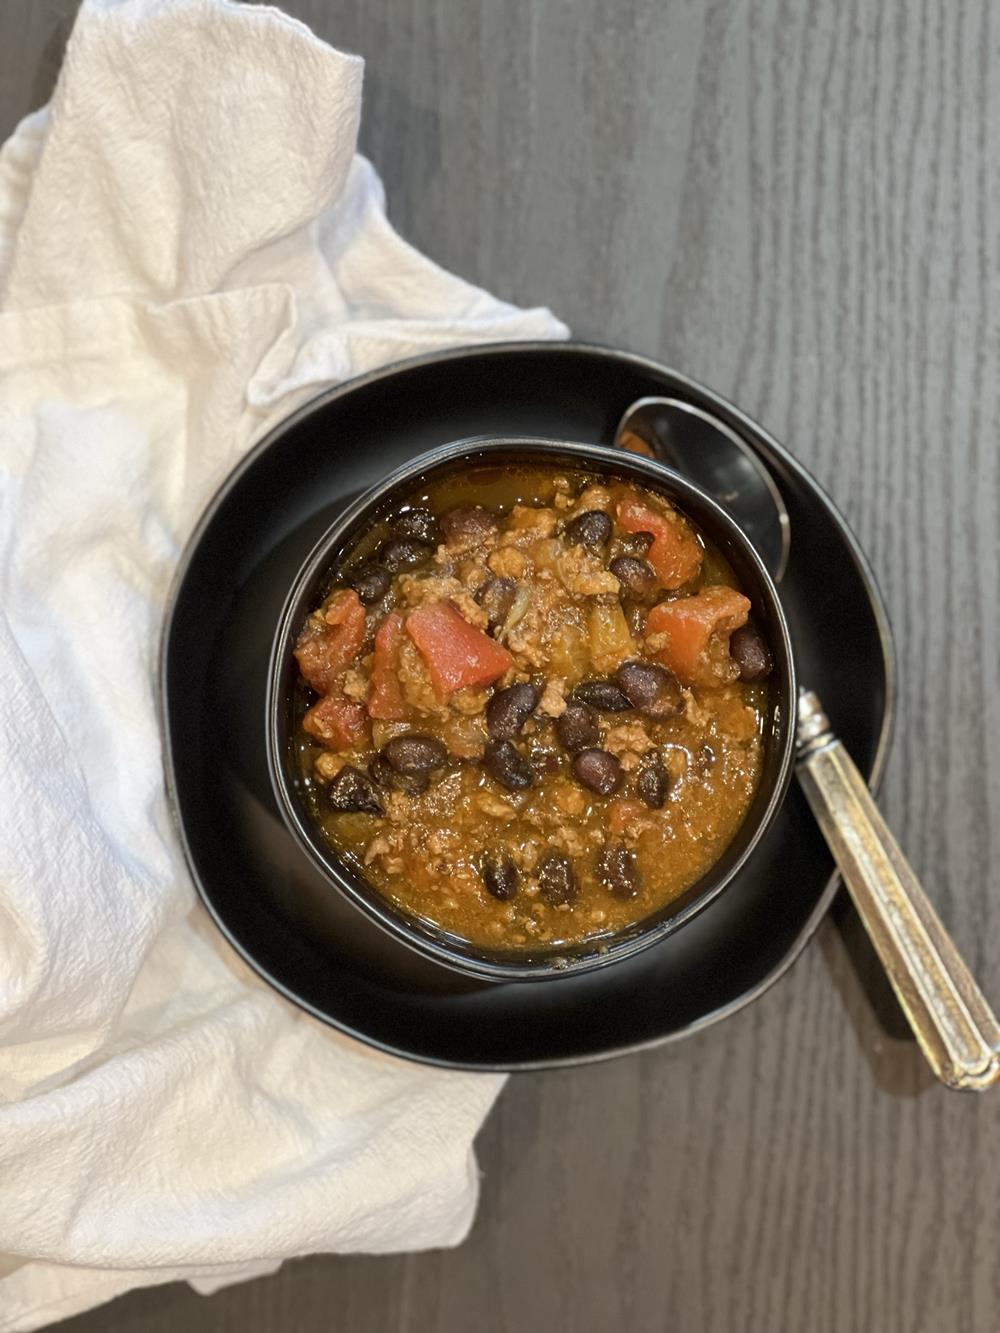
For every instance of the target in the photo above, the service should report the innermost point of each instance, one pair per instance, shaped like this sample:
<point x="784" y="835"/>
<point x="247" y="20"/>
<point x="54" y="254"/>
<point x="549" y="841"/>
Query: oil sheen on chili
<point x="531" y="706"/>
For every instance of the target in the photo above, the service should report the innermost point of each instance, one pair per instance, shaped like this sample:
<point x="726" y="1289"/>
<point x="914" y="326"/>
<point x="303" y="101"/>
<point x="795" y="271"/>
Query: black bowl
<point x="314" y="580"/>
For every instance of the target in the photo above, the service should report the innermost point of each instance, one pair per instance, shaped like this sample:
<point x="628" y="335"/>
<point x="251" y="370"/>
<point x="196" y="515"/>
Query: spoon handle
<point x="956" y="1029"/>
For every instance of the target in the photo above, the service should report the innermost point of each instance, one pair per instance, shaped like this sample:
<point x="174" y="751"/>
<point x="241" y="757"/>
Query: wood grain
<point x="798" y="202"/>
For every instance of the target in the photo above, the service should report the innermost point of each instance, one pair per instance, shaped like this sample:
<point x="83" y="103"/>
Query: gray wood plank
<point x="798" y="203"/>
<point x="32" y="37"/>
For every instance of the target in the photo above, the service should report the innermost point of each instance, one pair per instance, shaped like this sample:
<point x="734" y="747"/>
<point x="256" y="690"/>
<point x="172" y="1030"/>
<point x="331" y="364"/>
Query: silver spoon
<point x="710" y="454"/>
<point x="950" y="1017"/>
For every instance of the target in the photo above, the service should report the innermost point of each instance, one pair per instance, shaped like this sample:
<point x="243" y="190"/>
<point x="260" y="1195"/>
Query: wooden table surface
<point x="799" y="204"/>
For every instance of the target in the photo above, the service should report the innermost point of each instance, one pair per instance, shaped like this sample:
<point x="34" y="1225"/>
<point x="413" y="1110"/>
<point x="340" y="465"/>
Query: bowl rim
<point x="423" y="937"/>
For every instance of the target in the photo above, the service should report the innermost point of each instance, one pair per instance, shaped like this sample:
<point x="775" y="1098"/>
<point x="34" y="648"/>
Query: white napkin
<point x="189" y="247"/>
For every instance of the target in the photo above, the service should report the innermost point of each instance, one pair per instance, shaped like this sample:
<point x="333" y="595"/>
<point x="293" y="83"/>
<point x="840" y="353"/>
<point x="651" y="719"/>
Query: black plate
<point x="266" y="897"/>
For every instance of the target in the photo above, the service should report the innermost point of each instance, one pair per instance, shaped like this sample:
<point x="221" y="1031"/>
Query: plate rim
<point x="780" y="456"/>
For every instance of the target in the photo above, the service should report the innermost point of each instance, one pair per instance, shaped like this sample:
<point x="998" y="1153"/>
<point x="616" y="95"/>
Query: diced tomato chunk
<point x="456" y="653"/>
<point x="675" y="553"/>
<point x="385" y="697"/>
<point x="336" y="721"/>
<point x="330" y="642"/>
<point x="690" y="636"/>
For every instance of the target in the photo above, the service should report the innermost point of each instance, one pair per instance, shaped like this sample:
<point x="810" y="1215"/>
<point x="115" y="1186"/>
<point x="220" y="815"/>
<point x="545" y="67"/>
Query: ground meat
<point x="508" y="562"/>
<point x="525" y="640"/>
<point x="465" y="884"/>
<point x="355" y="686"/>
<point x="379" y="846"/>
<point x="593" y="497"/>
<point x="734" y="717"/>
<point x="548" y="635"/>
<point x="387" y="846"/>
<point x="527" y="524"/>
<point x="469" y="702"/>
<point x="494" y="806"/>
<point x="415" y="683"/>
<point x="417" y="591"/>
<point x="629" y="738"/>
<point x="328" y="765"/>
<point x="525" y="856"/>
<point x="583" y="574"/>
<point x="473" y="574"/>
<point x="570" y="839"/>
<point x="676" y="762"/>
<point x="569" y="798"/>
<point x="398" y="806"/>
<point x="694" y="709"/>
<point x="553" y="700"/>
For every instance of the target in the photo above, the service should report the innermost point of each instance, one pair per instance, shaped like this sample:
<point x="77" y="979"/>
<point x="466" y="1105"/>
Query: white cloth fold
<point x="189" y="248"/>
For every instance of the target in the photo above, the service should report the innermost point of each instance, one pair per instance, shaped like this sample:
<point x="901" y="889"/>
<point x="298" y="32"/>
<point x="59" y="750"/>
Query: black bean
<point x="591" y="528"/>
<point x="420" y="524"/>
<point x="636" y="578"/>
<point x="541" y="758"/>
<point x="371" y="583"/>
<point x="505" y="763"/>
<point x="750" y="653"/>
<point x="509" y="709"/>
<point x="352" y="793"/>
<point x="384" y="775"/>
<point x="604" y="695"/>
<point x="650" y="689"/>
<point x="577" y="727"/>
<point x="617" y="870"/>
<point x="637" y="543"/>
<point x="468" y="527"/>
<point x="381" y="771"/>
<point x="496" y="597"/>
<point x="403" y="553"/>
<point x="415" y="753"/>
<point x="599" y="770"/>
<point x="500" y="877"/>
<point x="556" y="881"/>
<point x="704" y="760"/>
<point x="653" y="784"/>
